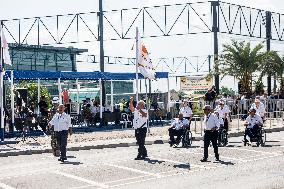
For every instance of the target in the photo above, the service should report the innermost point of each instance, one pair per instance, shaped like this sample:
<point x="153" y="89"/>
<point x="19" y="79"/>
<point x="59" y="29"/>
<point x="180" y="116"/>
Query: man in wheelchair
<point x="177" y="129"/>
<point x="222" y="140"/>
<point x="253" y="124"/>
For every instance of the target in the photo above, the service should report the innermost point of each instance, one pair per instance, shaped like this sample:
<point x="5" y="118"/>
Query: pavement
<point x="246" y="167"/>
<point x="113" y="139"/>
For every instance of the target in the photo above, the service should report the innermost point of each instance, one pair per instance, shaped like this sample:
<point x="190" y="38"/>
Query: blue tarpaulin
<point x="44" y="75"/>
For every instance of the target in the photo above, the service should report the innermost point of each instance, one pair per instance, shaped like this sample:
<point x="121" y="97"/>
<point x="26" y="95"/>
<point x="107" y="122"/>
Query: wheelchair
<point x="222" y="137"/>
<point x="186" y="138"/>
<point x="258" y="136"/>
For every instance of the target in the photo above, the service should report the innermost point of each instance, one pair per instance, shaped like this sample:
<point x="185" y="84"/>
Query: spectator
<point x="43" y="107"/>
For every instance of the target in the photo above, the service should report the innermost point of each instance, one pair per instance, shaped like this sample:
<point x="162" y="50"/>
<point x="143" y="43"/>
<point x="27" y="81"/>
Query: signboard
<point x="195" y="83"/>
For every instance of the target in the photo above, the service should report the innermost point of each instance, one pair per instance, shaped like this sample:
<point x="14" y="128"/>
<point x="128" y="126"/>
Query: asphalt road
<point x="240" y="167"/>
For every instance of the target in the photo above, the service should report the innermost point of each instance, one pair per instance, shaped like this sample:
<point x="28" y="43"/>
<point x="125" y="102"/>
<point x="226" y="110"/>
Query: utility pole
<point x="209" y="63"/>
<point x="101" y="38"/>
<point x="215" y="30"/>
<point x="268" y="37"/>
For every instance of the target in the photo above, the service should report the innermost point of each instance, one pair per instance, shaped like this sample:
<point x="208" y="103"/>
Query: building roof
<point x="47" y="48"/>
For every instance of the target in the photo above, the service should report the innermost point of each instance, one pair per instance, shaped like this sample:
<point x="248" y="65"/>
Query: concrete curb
<point x="116" y="145"/>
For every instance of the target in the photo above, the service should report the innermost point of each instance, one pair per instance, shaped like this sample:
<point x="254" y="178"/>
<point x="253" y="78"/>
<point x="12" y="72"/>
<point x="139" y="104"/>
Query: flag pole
<point x="1" y="85"/>
<point x="12" y="101"/>
<point x="137" y="56"/>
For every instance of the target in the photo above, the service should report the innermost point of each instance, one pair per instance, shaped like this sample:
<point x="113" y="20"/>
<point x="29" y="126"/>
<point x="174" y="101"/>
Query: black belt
<point x="210" y="130"/>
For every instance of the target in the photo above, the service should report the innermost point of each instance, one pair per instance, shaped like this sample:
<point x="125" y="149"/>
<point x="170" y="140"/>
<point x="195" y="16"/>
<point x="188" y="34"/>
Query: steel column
<point x="101" y="37"/>
<point x="215" y="30"/>
<point x="268" y="37"/>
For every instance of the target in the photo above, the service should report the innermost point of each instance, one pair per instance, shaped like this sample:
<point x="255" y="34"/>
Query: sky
<point x="189" y="45"/>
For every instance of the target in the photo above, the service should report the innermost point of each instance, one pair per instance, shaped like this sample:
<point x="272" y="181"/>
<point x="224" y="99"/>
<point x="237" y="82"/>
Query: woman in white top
<point x="259" y="107"/>
<point x="186" y="112"/>
<point x="223" y="111"/>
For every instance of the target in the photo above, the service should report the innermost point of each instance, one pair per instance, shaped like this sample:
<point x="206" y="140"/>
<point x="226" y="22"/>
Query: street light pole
<point x="101" y="38"/>
<point x="215" y="29"/>
<point x="268" y="36"/>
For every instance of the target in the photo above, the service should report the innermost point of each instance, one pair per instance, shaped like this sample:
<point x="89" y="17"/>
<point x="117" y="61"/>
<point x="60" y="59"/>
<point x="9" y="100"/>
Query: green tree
<point x="33" y="91"/>
<point x="259" y="87"/>
<point x="227" y="91"/>
<point x="240" y="60"/>
<point x="274" y="66"/>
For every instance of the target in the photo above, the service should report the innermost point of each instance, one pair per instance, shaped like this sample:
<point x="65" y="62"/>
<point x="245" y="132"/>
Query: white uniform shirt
<point x="256" y="119"/>
<point x="186" y="111"/>
<point x="260" y="110"/>
<point x="94" y="110"/>
<point x="211" y="121"/>
<point x="221" y="121"/>
<point x="179" y="123"/>
<point x="138" y="120"/>
<point x="223" y="111"/>
<point x="61" y="122"/>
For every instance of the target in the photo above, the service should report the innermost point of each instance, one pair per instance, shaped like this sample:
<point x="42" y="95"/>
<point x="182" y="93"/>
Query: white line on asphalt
<point x="5" y="186"/>
<point x="80" y="187"/>
<point x="244" y="149"/>
<point x="126" y="179"/>
<point x="101" y="185"/>
<point x="133" y="170"/>
<point x="182" y="163"/>
<point x="266" y="157"/>
<point x="222" y="157"/>
<point x="153" y="178"/>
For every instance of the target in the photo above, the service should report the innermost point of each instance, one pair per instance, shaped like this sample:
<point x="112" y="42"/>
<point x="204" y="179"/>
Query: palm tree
<point x="241" y="61"/>
<point x="274" y="66"/>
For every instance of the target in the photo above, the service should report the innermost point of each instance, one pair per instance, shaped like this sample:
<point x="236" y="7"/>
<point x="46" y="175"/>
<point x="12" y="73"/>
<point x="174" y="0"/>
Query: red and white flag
<point x="144" y="61"/>
<point x="4" y="44"/>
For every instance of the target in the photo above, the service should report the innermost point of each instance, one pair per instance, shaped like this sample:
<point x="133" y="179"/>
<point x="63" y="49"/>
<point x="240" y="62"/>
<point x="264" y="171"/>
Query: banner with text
<point x="195" y="83"/>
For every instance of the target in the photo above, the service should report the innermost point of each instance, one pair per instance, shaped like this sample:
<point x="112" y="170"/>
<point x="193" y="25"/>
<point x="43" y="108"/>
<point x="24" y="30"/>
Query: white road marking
<point x="5" y="186"/>
<point x="133" y="170"/>
<point x="266" y="157"/>
<point x="126" y="179"/>
<point x="182" y="163"/>
<point x="101" y="185"/>
<point x="224" y="157"/>
<point x="80" y="187"/>
<point x="138" y="181"/>
<point x="244" y="149"/>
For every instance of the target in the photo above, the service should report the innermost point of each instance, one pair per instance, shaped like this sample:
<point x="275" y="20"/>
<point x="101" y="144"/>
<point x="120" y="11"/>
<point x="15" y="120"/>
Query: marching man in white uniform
<point x="140" y="125"/>
<point x="212" y="125"/>
<point x="61" y="123"/>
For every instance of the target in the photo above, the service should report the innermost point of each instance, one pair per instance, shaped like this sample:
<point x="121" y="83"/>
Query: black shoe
<point x="138" y="158"/>
<point x="61" y="159"/>
<point x="143" y="157"/>
<point x="203" y="160"/>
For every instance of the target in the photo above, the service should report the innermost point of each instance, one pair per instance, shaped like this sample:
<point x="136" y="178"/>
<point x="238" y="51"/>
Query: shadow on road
<point x="239" y="142"/>
<point x="182" y="166"/>
<point x="225" y="162"/>
<point x="153" y="161"/>
<point x="272" y="145"/>
<point x="71" y="157"/>
<point x="72" y="163"/>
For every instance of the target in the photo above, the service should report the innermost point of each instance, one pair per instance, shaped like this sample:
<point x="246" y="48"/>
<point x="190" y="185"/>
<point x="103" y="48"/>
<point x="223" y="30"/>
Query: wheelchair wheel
<point x="187" y="139"/>
<point x="223" y="138"/>
<point x="263" y="137"/>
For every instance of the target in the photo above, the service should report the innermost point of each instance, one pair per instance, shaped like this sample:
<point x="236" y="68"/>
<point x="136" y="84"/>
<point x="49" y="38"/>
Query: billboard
<point x="195" y="83"/>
